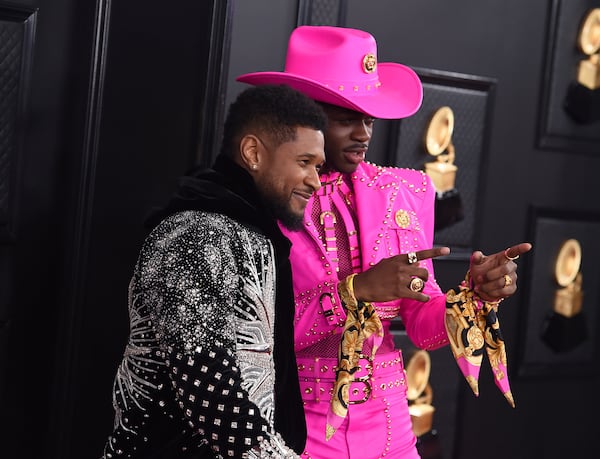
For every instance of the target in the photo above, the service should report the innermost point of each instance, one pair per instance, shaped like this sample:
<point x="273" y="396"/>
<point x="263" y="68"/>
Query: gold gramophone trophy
<point x="438" y="143"/>
<point x="583" y="96"/>
<point x="569" y="296"/>
<point x="565" y="328"/>
<point x="419" y="393"/>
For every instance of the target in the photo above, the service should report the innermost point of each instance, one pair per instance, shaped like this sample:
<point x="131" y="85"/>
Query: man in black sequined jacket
<point x="209" y="369"/>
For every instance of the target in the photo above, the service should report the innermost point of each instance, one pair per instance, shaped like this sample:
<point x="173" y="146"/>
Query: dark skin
<point x="390" y="278"/>
<point x="346" y="143"/>
<point x="288" y="172"/>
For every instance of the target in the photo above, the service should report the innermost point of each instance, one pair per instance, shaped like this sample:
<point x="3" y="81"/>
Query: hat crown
<point x="332" y="55"/>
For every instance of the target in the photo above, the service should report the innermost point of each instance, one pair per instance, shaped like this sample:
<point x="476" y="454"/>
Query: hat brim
<point x="399" y="96"/>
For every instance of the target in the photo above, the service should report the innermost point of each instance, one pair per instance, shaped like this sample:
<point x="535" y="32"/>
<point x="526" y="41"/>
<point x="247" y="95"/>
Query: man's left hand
<point x="495" y="276"/>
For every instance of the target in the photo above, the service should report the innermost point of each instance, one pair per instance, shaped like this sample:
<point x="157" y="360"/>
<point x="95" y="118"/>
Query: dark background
<point x="104" y="104"/>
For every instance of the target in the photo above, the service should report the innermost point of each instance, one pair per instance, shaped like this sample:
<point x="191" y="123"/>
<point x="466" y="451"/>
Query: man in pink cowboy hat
<point x="365" y="258"/>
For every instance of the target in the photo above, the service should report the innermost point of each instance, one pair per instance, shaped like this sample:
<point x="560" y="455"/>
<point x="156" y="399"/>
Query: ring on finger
<point x="412" y="257"/>
<point x="508" y="257"/>
<point x="507" y="280"/>
<point x="416" y="284"/>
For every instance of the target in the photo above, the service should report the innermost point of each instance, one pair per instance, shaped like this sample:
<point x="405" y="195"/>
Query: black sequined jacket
<point x="209" y="369"/>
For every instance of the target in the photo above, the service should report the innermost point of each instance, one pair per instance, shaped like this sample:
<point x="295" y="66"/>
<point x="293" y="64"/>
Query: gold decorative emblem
<point x="402" y="219"/>
<point x="369" y="63"/>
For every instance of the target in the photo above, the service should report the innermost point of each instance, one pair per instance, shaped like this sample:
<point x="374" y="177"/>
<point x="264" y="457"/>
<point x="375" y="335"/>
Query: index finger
<point x="432" y="253"/>
<point x="513" y="252"/>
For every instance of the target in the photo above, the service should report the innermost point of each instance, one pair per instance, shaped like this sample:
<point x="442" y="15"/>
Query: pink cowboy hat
<point x="339" y="66"/>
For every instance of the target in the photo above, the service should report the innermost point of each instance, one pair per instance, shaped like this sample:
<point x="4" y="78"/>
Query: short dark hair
<point x="272" y="110"/>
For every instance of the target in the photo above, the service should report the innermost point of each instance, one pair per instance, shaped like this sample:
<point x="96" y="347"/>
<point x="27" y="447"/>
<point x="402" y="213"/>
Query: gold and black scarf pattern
<point x="474" y="330"/>
<point x="361" y="323"/>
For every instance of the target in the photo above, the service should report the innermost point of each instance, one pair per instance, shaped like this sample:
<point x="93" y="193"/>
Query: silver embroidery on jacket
<point x="203" y="289"/>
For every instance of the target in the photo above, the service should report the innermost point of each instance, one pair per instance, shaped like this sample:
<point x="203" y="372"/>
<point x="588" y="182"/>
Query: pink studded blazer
<point x="395" y="213"/>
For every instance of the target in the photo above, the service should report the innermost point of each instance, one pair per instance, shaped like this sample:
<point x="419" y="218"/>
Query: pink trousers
<point x="378" y="424"/>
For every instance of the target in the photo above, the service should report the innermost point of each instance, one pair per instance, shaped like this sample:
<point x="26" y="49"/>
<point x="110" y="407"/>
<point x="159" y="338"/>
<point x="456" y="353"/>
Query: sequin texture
<point x="198" y="366"/>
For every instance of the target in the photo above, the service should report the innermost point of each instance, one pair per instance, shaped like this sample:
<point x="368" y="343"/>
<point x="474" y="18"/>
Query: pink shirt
<point x="392" y="211"/>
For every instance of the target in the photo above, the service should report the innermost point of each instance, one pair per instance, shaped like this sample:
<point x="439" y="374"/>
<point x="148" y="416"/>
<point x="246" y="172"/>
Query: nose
<point x="362" y="131"/>
<point x="313" y="180"/>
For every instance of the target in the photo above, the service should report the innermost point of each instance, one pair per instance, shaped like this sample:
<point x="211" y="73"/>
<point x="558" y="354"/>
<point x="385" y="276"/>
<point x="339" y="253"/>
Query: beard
<point x="280" y="209"/>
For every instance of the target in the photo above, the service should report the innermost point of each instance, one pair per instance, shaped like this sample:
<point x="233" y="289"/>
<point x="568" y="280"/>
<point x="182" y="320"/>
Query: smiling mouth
<point x="303" y="195"/>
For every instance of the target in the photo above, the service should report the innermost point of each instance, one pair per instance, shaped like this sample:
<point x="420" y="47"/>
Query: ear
<point x="249" y="152"/>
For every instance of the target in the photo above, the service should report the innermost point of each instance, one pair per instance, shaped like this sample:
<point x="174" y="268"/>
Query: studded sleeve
<point x="198" y="286"/>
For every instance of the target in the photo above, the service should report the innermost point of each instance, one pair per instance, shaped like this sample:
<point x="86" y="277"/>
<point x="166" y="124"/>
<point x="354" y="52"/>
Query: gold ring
<point x="507" y="280"/>
<point x="416" y="284"/>
<point x="412" y="257"/>
<point x="509" y="258"/>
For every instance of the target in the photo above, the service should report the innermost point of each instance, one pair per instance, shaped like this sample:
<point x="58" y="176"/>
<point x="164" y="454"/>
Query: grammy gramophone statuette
<point x="566" y="327"/>
<point x="442" y="171"/>
<point x="583" y="96"/>
<point x="438" y="142"/>
<point x="569" y="297"/>
<point x="419" y="393"/>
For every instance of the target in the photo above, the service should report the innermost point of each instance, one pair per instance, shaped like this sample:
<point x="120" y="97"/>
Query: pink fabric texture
<point x="378" y="428"/>
<point x="380" y="194"/>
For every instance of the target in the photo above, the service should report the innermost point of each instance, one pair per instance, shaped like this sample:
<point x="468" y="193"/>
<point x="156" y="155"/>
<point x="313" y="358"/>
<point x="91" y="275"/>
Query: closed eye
<point x="350" y="121"/>
<point x="310" y="161"/>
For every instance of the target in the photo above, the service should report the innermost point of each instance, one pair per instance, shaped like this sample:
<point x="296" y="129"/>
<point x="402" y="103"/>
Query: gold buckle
<point x="365" y="380"/>
<point x="326" y="214"/>
<point x="367" y="390"/>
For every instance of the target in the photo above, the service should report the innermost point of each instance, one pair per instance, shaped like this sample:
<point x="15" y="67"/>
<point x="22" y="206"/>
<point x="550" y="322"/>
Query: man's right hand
<point x="390" y="278"/>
